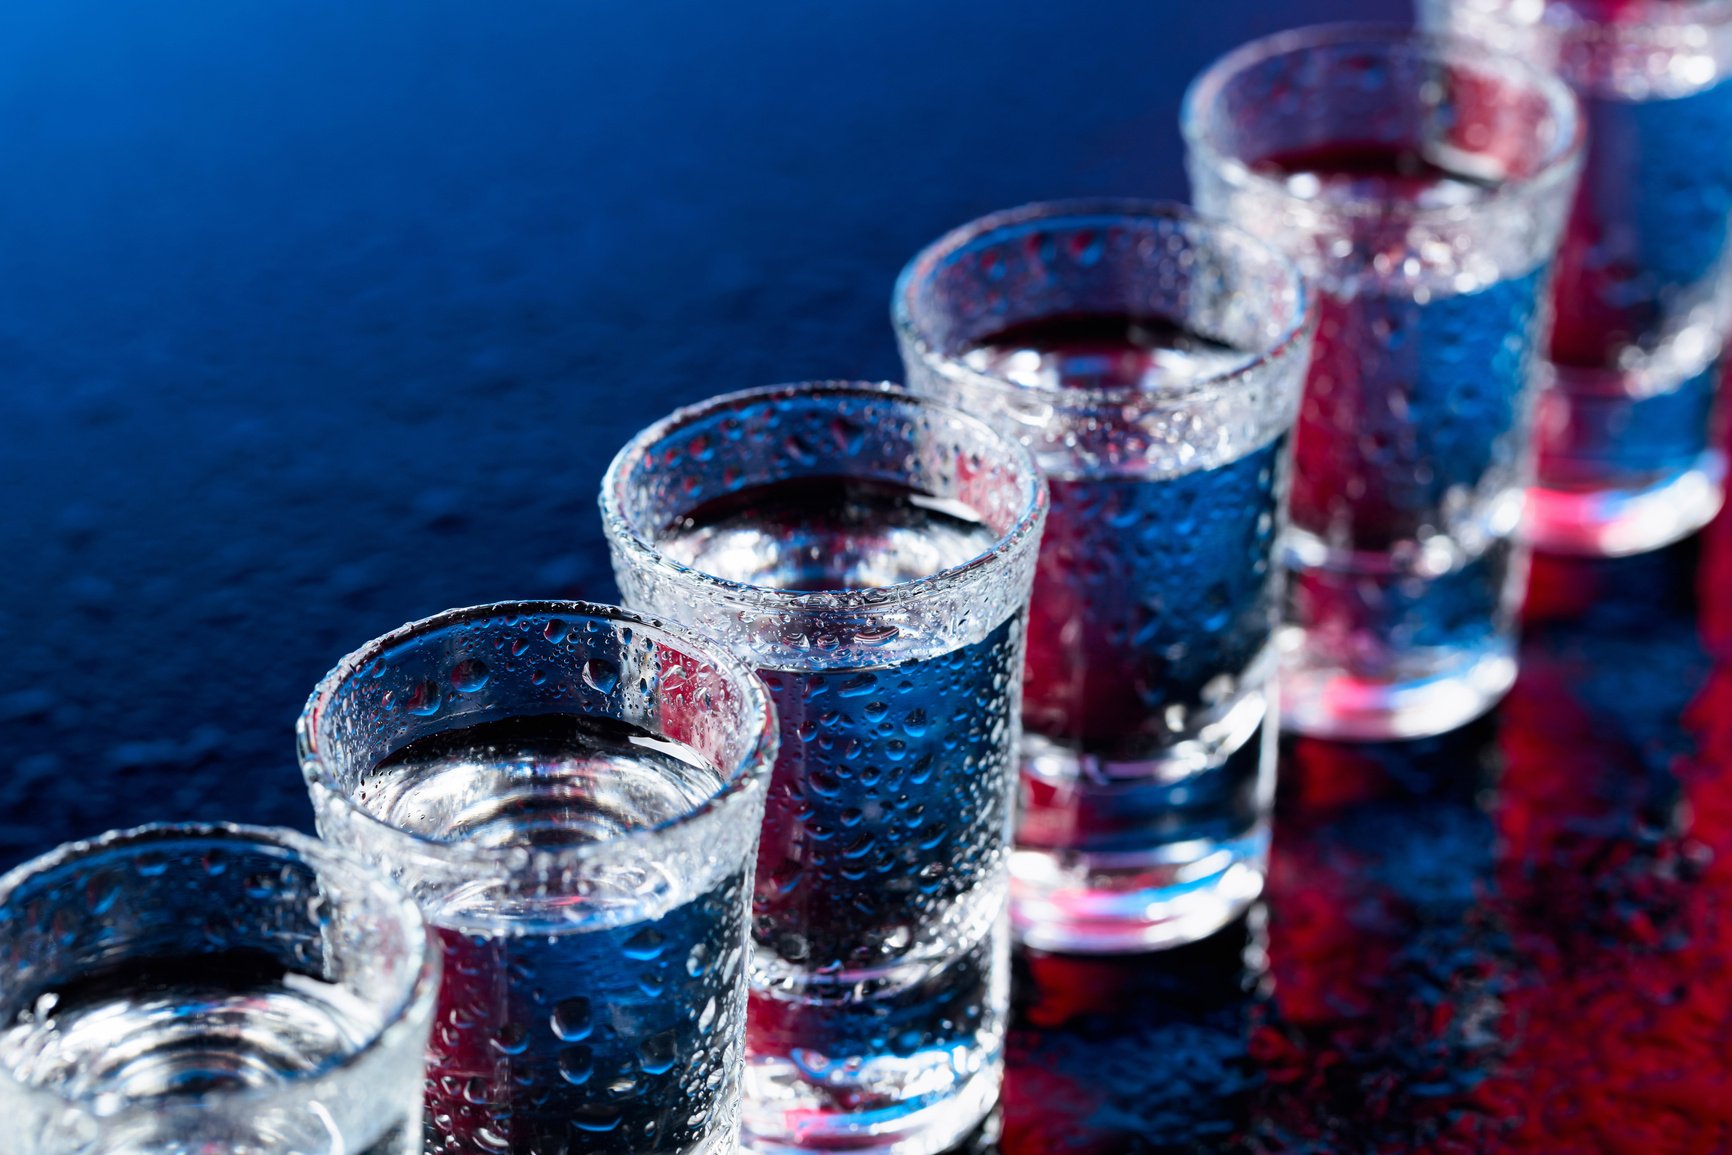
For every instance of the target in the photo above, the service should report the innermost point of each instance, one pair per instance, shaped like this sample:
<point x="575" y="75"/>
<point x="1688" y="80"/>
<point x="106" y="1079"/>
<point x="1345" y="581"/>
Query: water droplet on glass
<point x="469" y="675"/>
<point x="576" y="1065"/>
<point x="646" y="944"/>
<point x="601" y="674"/>
<point x="571" y="1019"/>
<point x="655" y="1056"/>
<point x="511" y="1040"/>
<point x="424" y="700"/>
<point x="595" y="1119"/>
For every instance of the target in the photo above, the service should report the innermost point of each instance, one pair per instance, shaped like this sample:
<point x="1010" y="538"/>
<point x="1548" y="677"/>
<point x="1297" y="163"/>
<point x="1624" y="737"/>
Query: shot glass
<point x="1422" y="184"/>
<point x="1627" y="460"/>
<point x="176" y="989"/>
<point x="870" y="552"/>
<point x="1151" y="361"/>
<point x="573" y="793"/>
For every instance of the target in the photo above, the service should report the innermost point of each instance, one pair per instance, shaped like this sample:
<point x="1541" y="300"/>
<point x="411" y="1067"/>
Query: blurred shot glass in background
<point x="1627" y="457"/>
<point x="1422" y="183"/>
<point x="1152" y="362"/>
<point x="573" y="792"/>
<point x="870" y="552"/>
<point x="174" y="990"/>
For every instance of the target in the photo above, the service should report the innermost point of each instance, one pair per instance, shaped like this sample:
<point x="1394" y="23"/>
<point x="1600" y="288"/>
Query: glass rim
<point x="627" y="535"/>
<point x="404" y="1014"/>
<point x="750" y="772"/>
<point x="1558" y="167"/>
<point x="1292" y="337"/>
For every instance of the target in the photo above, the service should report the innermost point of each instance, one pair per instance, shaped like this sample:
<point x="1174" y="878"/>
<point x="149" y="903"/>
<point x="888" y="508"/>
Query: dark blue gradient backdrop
<point x="321" y="315"/>
<point x="317" y="316"/>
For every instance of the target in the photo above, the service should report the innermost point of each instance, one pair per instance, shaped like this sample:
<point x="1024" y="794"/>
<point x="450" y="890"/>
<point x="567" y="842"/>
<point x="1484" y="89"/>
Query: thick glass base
<point x="1324" y="700"/>
<point x="906" y="1065"/>
<point x="932" y="1127"/>
<point x="1626" y="462"/>
<point x="1117" y="856"/>
<point x="1617" y="522"/>
<point x="1379" y="649"/>
<point x="1079" y="903"/>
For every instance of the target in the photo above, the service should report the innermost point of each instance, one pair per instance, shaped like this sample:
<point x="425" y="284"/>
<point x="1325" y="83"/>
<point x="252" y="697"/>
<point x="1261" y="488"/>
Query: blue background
<point x="319" y="316"/>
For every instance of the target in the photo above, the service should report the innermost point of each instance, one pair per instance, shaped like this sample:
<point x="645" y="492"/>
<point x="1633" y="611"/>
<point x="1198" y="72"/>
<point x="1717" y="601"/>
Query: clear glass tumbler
<point x="1627" y="459"/>
<point x="870" y="552"/>
<point x="1422" y="184"/>
<point x="1152" y="361"/>
<point x="176" y="990"/>
<point x="573" y="792"/>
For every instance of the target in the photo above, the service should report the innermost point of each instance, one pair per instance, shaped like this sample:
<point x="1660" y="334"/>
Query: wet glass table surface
<point x="317" y="317"/>
<point x="1513" y="937"/>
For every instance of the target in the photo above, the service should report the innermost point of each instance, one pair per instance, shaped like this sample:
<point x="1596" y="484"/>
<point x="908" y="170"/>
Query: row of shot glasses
<point x="908" y="673"/>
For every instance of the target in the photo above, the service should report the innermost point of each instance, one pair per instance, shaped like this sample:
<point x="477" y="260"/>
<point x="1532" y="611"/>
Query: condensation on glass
<point x="1152" y="361"/>
<point x="1627" y="457"/>
<point x="1422" y="184"/>
<point x="573" y="792"/>
<point x="193" y="988"/>
<point x="870" y="552"/>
